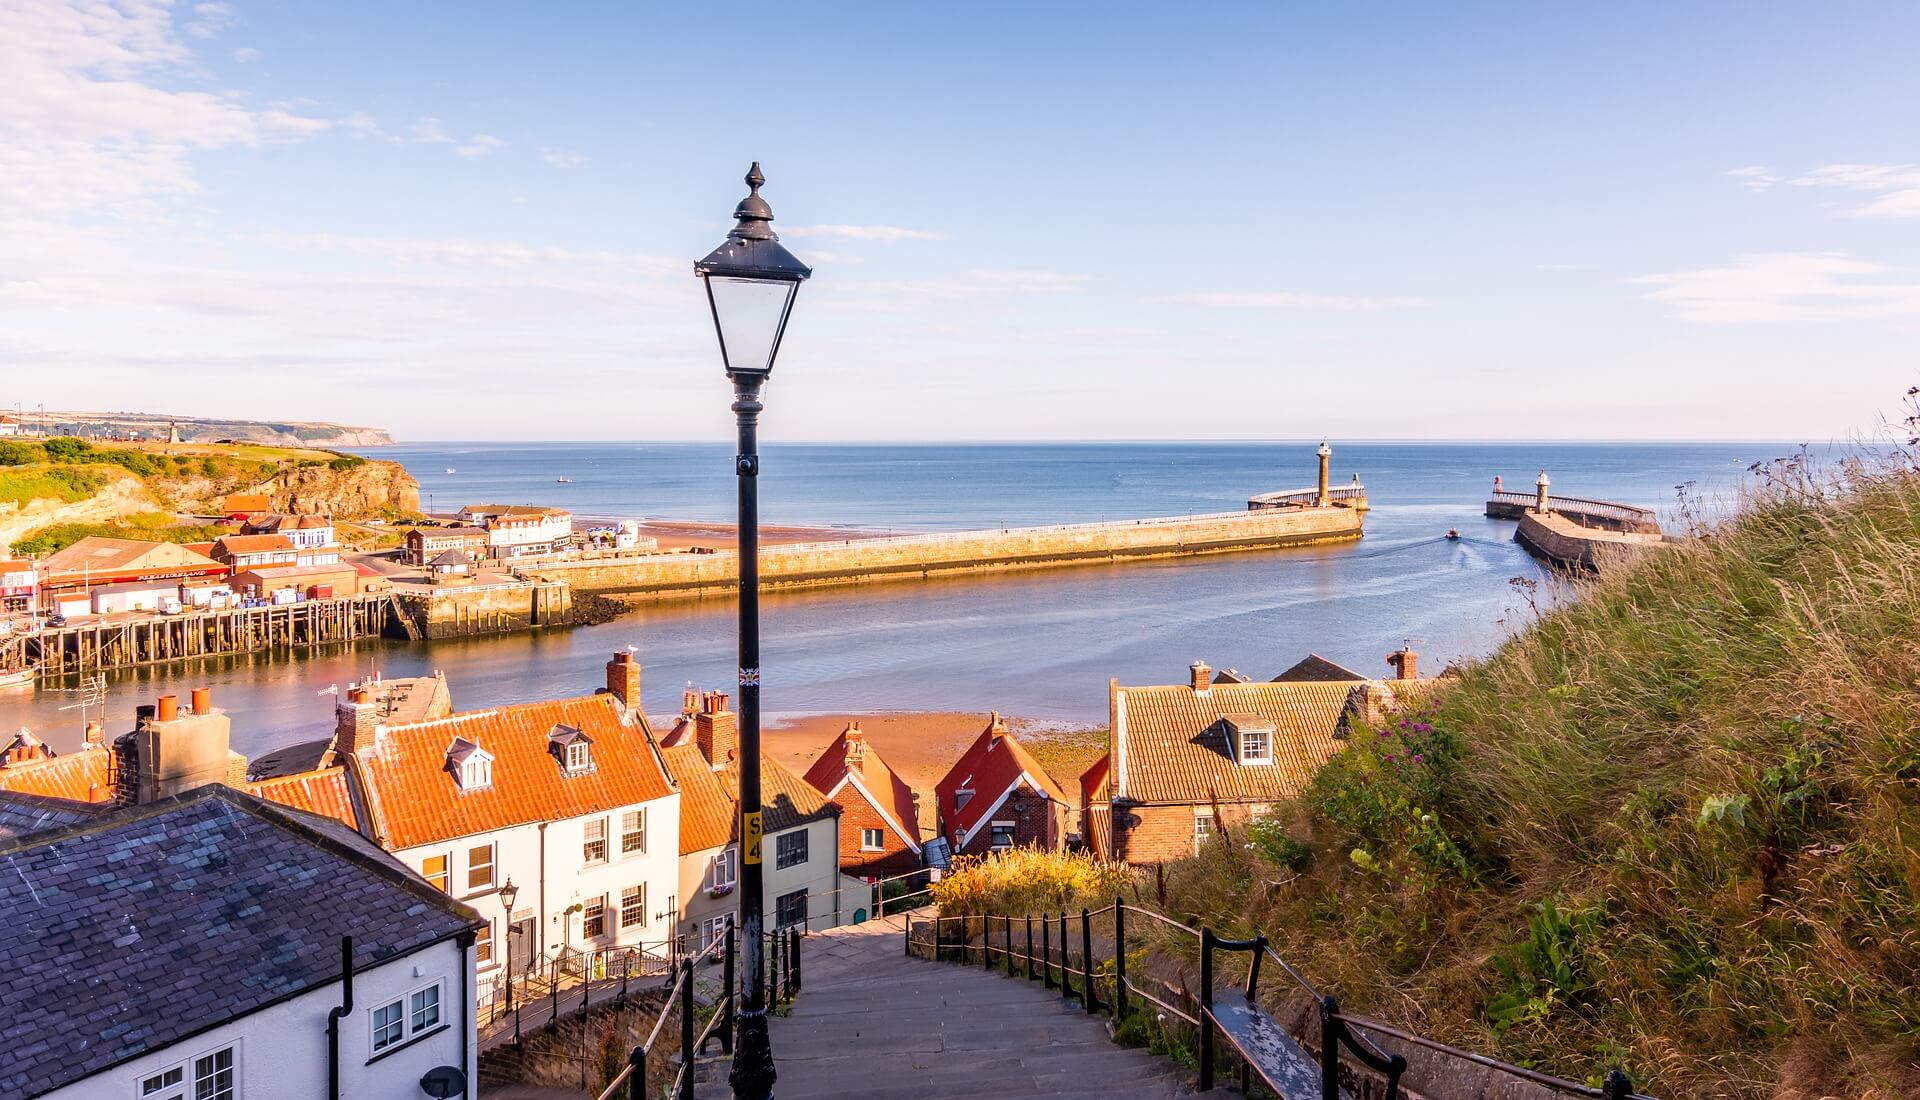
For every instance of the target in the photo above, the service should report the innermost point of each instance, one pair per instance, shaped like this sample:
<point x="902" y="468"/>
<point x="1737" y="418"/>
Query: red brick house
<point x="998" y="797"/>
<point x="879" y="814"/>
<point x="1186" y="759"/>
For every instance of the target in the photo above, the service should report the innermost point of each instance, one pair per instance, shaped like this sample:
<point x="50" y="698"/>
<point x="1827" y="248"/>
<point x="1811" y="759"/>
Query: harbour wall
<point x="458" y="611"/>
<point x="859" y="561"/>
<point x="1562" y="541"/>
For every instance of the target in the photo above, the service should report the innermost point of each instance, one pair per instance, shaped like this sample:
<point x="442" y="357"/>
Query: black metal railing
<point x="1042" y="947"/>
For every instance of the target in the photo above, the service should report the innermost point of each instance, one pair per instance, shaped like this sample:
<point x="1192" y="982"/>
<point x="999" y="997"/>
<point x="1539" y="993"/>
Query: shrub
<point x="22" y="484"/>
<point x="68" y="449"/>
<point x="1028" y="880"/>
<point x="15" y="453"/>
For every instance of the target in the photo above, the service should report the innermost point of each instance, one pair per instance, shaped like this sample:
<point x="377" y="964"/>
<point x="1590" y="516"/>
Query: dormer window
<point x="572" y="748"/>
<point x="471" y="765"/>
<point x="1250" y="738"/>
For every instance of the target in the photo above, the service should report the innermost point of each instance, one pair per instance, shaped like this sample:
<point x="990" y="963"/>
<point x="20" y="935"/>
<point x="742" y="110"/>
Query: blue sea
<point x="1035" y="644"/>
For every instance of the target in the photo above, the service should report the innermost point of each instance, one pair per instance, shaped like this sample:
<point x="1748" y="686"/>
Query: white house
<point x="202" y="957"/>
<point x="518" y="531"/>
<point x="566" y="800"/>
<point x="801" y="847"/>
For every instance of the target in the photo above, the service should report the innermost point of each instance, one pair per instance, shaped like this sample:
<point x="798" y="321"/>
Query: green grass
<point x="154" y="526"/>
<point x="22" y="484"/>
<point x="1673" y="826"/>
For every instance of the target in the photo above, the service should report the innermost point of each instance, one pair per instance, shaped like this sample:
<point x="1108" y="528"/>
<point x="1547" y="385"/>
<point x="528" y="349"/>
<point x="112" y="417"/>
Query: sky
<point x="1027" y="221"/>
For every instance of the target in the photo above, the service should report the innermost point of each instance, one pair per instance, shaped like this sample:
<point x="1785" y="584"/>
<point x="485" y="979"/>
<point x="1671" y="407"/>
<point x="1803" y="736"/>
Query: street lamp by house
<point x="751" y="281"/>
<point x="509" y="893"/>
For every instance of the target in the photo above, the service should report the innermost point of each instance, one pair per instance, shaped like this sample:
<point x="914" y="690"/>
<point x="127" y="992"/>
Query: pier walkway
<point x="871" y="1023"/>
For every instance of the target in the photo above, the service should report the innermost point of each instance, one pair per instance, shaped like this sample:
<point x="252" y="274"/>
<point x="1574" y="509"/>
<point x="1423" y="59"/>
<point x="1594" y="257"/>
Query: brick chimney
<point x="856" y="748"/>
<point x="715" y="729"/>
<point x="623" y="679"/>
<point x="1405" y="662"/>
<point x="996" y="725"/>
<point x="1202" y="677"/>
<point x="173" y="752"/>
<point x="356" y="723"/>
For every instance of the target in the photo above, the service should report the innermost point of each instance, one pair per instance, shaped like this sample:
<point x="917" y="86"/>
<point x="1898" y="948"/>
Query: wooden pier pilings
<point x="152" y="639"/>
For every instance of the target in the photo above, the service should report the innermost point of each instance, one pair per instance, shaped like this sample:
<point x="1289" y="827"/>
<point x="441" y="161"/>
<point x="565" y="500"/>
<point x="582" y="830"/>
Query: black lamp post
<point x="509" y="893"/>
<point x="751" y="282"/>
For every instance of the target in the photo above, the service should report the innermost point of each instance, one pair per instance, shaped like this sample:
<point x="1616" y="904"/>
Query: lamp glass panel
<point x="749" y="313"/>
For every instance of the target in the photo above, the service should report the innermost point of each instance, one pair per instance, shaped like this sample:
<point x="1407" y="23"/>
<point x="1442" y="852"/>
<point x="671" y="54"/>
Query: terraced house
<point x="1184" y="760"/>
<point x="568" y="800"/>
<point x="879" y="813"/>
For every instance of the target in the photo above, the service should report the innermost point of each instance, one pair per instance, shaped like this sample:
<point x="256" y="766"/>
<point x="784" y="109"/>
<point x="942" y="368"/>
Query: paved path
<point x="872" y="1023"/>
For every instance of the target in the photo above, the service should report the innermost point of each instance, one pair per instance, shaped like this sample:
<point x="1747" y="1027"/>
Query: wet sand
<point x="920" y="747"/>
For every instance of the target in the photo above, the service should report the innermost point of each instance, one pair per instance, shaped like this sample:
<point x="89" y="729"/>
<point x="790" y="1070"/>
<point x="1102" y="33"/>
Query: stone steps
<point x="871" y="1024"/>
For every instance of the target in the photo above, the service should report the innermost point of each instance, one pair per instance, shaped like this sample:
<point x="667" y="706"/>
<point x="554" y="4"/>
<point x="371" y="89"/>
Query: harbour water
<point x="1036" y="644"/>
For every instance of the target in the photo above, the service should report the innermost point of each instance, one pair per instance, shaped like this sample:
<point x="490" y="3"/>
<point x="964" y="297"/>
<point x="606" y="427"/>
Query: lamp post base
<point x="753" y="1074"/>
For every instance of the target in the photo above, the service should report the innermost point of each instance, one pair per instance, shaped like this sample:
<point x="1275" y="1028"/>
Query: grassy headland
<point x="1673" y="826"/>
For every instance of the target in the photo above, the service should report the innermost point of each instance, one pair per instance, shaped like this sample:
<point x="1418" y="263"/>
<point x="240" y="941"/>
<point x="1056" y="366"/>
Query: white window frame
<point x="174" y="1091"/>
<point x="626" y="901"/>
<point x="879" y="845"/>
<point x="994" y="828"/>
<point x="492" y="866"/>
<point x="588" y="840"/>
<point x="714" y="929"/>
<point x="415" y="1008"/>
<point x="728" y="860"/>
<point x="483" y="947"/>
<point x="628" y="833"/>
<point x="232" y="1050"/>
<point x="1203" y="827"/>
<point x="782" y="858"/>
<point x="446" y="871"/>
<point x="1265" y="755"/>
<point x="579" y="756"/>
<point x="476" y="772"/>
<point x="408" y="1031"/>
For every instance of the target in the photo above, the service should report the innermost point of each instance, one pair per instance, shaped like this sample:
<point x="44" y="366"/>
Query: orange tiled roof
<point x="415" y="800"/>
<point x="879" y="785"/>
<point x="323" y="792"/>
<point x="990" y="767"/>
<point x="707" y="807"/>
<point x="252" y="544"/>
<point x="786" y="800"/>
<point x="82" y="776"/>
<point x="1170" y="743"/>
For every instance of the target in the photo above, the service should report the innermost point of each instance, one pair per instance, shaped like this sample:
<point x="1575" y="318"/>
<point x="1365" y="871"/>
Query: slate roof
<point x="990" y="767"/>
<point x="1170" y="743"/>
<point x="22" y="814"/>
<point x="83" y="776"/>
<point x="137" y="929"/>
<point x="1315" y="667"/>
<point x="874" y="783"/>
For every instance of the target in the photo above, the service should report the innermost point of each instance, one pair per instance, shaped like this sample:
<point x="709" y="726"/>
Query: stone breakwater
<point x="912" y="557"/>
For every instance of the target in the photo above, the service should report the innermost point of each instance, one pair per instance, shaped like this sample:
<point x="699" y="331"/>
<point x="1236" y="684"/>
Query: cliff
<point x="196" y="429"/>
<point x="355" y="489"/>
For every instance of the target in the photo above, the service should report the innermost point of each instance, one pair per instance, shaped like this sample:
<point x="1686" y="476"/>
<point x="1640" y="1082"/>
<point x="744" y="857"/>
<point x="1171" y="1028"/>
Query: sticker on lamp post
<point x="750" y="836"/>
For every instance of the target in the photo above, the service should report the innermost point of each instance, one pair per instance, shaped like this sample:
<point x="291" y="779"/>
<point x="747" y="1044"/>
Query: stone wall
<point x="456" y="611"/>
<point x="1564" y="542"/>
<point x="914" y="557"/>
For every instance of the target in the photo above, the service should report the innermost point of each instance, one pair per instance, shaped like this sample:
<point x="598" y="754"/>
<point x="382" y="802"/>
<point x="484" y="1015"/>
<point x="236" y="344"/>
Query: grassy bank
<point x="1673" y="826"/>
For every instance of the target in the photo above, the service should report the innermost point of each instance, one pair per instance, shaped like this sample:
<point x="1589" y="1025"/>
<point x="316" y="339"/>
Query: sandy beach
<point x="921" y="746"/>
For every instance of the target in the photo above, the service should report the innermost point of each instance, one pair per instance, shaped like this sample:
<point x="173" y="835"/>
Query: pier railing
<point x="1626" y="513"/>
<point x="1061" y="950"/>
<point x="1308" y="497"/>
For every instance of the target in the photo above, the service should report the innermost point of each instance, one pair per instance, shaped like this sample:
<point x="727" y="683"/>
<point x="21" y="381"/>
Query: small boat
<point x="14" y="677"/>
<point x="451" y="470"/>
<point x="564" y="480"/>
<point x="1453" y="534"/>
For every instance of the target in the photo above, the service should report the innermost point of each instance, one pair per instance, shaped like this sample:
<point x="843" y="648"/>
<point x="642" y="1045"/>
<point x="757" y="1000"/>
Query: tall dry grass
<point x="1686" y="811"/>
<point x="1024" y="881"/>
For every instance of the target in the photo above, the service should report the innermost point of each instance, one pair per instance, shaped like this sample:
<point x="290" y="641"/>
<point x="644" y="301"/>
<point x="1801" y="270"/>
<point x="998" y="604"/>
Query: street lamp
<point x="751" y="282"/>
<point x="509" y="893"/>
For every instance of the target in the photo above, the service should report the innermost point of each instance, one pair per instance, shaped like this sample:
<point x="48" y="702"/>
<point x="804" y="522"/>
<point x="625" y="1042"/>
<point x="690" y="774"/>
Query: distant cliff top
<point x="199" y="429"/>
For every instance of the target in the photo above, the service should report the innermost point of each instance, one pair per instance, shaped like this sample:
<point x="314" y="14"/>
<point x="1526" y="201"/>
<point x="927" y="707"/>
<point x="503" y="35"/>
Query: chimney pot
<point x="1202" y="676"/>
<point x="169" y="708"/>
<point x="202" y="700"/>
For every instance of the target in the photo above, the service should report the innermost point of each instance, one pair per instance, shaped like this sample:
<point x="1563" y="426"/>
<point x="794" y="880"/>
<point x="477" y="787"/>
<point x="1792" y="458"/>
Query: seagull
<point x="330" y="689"/>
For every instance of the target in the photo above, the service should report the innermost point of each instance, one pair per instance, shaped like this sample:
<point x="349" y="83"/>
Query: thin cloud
<point x="209" y="20"/>
<point x="246" y="55"/>
<point x="430" y="131"/>
<point x="563" y="160"/>
<point x="479" y="145"/>
<point x="887" y="233"/>
<point x="1784" y="286"/>
<point x="1898" y="184"/>
<point x="1291" y="300"/>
